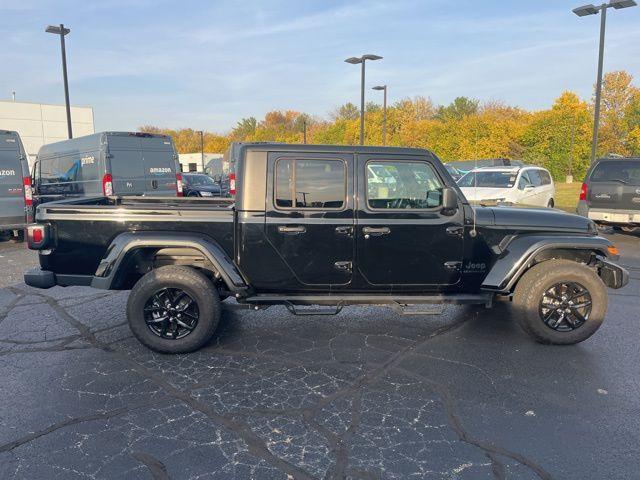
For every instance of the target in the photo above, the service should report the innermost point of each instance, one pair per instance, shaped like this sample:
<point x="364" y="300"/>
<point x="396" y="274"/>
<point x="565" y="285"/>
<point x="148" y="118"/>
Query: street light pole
<point x="201" y="132"/>
<point x="384" y="113"/>
<point x="62" y="31"/>
<point x="593" y="10"/>
<point x="355" y="61"/>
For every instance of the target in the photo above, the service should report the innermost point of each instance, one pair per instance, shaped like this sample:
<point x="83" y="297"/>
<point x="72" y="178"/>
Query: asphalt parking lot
<point x="365" y="394"/>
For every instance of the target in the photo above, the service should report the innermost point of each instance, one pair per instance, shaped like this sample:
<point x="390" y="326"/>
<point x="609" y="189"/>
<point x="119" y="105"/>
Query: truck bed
<point x="84" y="228"/>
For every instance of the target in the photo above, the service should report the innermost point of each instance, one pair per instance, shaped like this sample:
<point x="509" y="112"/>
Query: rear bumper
<point x="613" y="276"/>
<point x="39" y="278"/>
<point x="614" y="217"/>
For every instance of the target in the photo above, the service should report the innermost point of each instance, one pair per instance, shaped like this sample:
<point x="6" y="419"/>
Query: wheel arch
<point x="524" y="252"/>
<point x="131" y="251"/>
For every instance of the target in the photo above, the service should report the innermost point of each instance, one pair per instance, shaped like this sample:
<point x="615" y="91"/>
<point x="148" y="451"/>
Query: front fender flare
<point x="127" y="242"/>
<point x="516" y="257"/>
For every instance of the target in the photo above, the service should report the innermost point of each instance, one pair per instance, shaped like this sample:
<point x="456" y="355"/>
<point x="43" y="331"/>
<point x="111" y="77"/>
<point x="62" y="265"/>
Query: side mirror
<point x="449" y="199"/>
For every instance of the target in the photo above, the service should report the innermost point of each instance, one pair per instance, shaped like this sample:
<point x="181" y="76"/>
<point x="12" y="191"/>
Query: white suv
<point x="515" y="185"/>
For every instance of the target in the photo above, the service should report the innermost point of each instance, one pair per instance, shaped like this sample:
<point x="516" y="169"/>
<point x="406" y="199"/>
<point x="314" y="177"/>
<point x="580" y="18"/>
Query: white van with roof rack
<point x="515" y="185"/>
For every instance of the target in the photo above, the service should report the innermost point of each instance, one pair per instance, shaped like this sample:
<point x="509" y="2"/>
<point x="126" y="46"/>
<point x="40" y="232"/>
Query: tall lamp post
<point x="384" y="113"/>
<point x="62" y="31"/>
<point x="201" y="132"/>
<point x="356" y="61"/>
<point x="593" y="10"/>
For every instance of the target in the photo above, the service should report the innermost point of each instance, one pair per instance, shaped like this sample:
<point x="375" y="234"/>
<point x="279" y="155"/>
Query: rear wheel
<point x="551" y="203"/>
<point x="560" y="302"/>
<point x="173" y="309"/>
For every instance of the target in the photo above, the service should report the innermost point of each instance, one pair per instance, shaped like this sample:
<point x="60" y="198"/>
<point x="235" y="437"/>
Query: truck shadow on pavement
<point x="365" y="394"/>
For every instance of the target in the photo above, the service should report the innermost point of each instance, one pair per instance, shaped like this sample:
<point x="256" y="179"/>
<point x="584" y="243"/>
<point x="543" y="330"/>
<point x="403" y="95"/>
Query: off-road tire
<point x="531" y="287"/>
<point x="194" y="284"/>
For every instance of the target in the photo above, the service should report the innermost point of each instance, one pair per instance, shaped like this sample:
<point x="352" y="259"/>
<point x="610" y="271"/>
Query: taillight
<point x="107" y="185"/>
<point x="583" y="192"/>
<point x="232" y="183"/>
<point x="179" y="187"/>
<point x="28" y="193"/>
<point x="37" y="236"/>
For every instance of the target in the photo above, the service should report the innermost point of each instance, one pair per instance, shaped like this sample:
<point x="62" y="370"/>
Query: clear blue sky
<point x="206" y="64"/>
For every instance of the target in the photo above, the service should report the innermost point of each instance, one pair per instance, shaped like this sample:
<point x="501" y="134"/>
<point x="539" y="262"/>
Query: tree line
<point x="557" y="138"/>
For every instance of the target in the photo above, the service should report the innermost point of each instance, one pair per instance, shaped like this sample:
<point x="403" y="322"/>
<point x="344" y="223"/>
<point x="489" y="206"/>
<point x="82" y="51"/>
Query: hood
<point x="539" y="219"/>
<point x="474" y="194"/>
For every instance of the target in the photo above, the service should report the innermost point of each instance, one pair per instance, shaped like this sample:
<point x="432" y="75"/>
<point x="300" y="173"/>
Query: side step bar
<point x="337" y="302"/>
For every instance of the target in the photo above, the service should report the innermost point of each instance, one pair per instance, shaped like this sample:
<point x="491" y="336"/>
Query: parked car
<point x="453" y="171"/>
<point x="528" y="185"/>
<point x="465" y="166"/>
<point x="311" y="225"/>
<point x="16" y="205"/>
<point x="200" y="185"/>
<point x="610" y="194"/>
<point x="107" y="163"/>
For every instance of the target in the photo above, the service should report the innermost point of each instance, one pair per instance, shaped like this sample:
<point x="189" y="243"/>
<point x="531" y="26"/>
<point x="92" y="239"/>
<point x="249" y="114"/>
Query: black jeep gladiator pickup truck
<point x="319" y="227"/>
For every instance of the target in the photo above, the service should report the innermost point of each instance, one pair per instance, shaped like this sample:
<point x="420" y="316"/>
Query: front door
<point x="404" y="240"/>
<point x="309" y="218"/>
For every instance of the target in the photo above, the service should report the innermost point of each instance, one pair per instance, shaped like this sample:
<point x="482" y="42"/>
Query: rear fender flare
<point x="128" y="242"/>
<point x="522" y="251"/>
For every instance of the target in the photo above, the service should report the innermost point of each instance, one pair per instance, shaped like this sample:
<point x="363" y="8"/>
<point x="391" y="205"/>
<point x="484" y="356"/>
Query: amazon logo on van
<point x="7" y="173"/>
<point x="160" y="170"/>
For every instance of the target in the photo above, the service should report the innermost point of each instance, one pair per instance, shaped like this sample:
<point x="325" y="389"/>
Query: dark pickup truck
<point x="319" y="227"/>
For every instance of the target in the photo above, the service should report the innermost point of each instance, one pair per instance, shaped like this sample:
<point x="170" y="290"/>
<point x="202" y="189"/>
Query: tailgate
<point x="615" y="184"/>
<point x="614" y="195"/>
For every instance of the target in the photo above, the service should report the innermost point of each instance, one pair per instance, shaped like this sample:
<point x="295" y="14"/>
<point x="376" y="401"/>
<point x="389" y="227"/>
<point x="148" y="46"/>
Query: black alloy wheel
<point x="565" y="306"/>
<point x="171" y="313"/>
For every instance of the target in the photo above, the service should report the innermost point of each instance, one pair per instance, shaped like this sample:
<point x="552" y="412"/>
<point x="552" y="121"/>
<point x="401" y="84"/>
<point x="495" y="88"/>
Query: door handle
<point x="455" y="230"/>
<point x="375" y="231"/>
<point x="345" y="230"/>
<point x="291" y="230"/>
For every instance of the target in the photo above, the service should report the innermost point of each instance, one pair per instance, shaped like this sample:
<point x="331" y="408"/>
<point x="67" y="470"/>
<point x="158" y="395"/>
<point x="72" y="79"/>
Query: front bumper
<point x="39" y="278"/>
<point x="613" y="276"/>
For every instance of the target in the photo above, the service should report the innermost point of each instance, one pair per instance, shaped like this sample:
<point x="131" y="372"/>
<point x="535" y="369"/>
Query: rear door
<point x="309" y="218"/>
<point x="12" y="201"/>
<point x="158" y="157"/>
<point x="125" y="165"/>
<point x="615" y="184"/>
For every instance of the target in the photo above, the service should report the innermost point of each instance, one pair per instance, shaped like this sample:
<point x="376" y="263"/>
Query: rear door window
<point x="622" y="171"/>
<point x="310" y="184"/>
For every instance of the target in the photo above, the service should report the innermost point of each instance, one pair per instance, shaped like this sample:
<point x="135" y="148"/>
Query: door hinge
<point x="344" y="266"/>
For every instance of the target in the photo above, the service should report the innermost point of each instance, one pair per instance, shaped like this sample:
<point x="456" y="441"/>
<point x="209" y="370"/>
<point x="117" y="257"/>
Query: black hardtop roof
<point x="292" y="147"/>
<point x="89" y="141"/>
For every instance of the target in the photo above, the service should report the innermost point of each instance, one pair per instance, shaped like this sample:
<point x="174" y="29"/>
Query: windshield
<point x="623" y="171"/>
<point x="488" y="179"/>
<point x="198" y="180"/>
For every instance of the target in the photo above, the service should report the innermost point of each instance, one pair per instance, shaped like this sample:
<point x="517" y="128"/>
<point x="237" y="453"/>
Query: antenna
<point x="474" y="233"/>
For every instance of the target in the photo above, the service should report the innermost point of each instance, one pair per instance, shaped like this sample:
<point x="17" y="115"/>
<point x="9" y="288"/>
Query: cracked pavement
<point x="365" y="394"/>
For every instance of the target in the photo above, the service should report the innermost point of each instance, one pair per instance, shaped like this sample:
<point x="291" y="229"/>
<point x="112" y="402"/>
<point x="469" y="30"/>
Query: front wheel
<point x="551" y="203"/>
<point x="560" y="302"/>
<point x="173" y="309"/>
